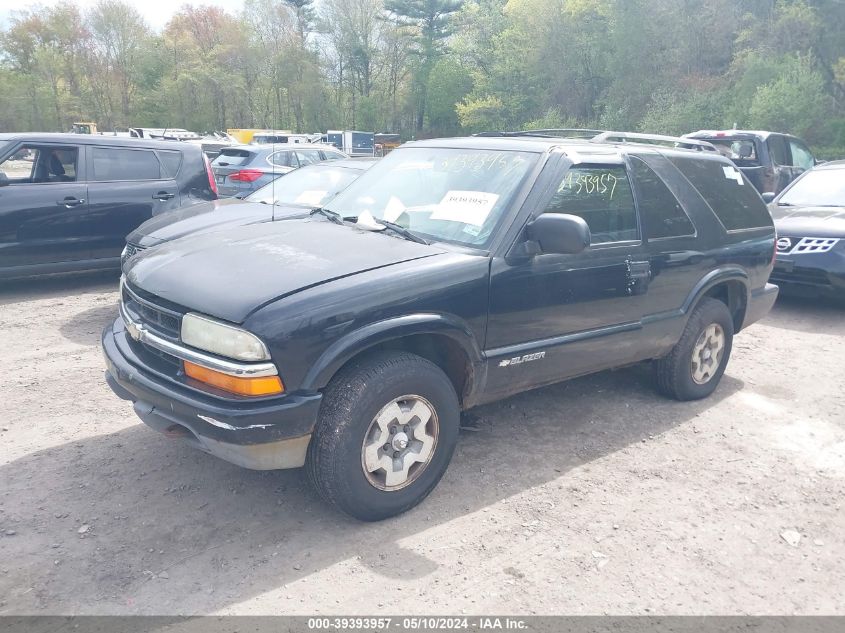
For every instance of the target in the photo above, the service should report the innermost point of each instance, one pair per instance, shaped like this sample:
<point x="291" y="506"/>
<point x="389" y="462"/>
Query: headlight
<point x="219" y="338"/>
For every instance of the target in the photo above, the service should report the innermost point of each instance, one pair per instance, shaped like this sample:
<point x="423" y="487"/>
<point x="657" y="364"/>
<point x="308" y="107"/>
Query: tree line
<point x="425" y="68"/>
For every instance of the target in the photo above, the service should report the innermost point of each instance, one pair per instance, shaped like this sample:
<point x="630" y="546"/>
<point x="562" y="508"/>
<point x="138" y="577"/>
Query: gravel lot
<point x="590" y="497"/>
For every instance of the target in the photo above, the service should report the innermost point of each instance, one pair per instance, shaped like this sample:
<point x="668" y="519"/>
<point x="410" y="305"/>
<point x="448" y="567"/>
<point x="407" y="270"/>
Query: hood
<point x="207" y="216"/>
<point x="809" y="221"/>
<point x="230" y="274"/>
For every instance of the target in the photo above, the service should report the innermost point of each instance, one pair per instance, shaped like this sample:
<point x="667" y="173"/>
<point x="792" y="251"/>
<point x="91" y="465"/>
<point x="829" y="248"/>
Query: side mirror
<point x="559" y="233"/>
<point x="769" y="197"/>
<point x="4" y="179"/>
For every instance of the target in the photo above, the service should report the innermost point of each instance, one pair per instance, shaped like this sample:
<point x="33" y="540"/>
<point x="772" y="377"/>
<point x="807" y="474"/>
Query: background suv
<point x="242" y="169"/>
<point x="67" y="201"/>
<point x="769" y="160"/>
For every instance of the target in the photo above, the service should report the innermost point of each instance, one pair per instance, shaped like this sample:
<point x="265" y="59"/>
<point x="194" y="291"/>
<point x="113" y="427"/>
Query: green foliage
<point x="677" y="113"/>
<point x="434" y="67"/>
<point x="795" y="102"/>
<point x="483" y="114"/>
<point x="448" y="84"/>
<point x="552" y="119"/>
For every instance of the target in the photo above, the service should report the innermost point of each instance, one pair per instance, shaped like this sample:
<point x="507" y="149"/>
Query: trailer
<point x="352" y="142"/>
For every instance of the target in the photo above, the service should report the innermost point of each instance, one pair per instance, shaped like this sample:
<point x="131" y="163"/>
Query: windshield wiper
<point x="396" y="228"/>
<point x="331" y="215"/>
<point x="401" y="230"/>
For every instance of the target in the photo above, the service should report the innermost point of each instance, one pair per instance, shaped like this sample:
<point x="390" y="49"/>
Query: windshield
<point x="820" y="188"/>
<point x="453" y="195"/>
<point x="307" y="187"/>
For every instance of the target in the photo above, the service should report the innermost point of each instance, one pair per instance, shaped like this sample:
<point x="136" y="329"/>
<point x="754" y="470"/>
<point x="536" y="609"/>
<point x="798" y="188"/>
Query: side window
<point x="283" y="159"/>
<point x="330" y="155"/>
<point x="801" y="156"/>
<point x="124" y="164"/>
<point x="602" y="196"/>
<point x="777" y="149"/>
<point x="663" y="215"/>
<point x="728" y="193"/>
<point x="308" y="156"/>
<point x="170" y="162"/>
<point x="30" y="164"/>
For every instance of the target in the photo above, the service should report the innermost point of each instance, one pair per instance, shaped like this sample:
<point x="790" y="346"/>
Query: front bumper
<point x="819" y="274"/>
<point x="265" y="434"/>
<point x="760" y="303"/>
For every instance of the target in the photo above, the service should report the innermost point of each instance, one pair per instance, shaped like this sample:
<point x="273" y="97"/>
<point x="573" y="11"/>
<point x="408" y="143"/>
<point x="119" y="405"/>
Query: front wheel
<point x="694" y="367"/>
<point x="387" y="429"/>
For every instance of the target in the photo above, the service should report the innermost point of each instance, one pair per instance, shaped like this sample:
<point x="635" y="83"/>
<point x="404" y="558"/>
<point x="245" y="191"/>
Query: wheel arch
<point x="730" y="285"/>
<point x="445" y="340"/>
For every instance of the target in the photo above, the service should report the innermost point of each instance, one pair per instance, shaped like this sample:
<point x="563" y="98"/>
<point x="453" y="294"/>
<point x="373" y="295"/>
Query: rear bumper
<point x="760" y="303"/>
<point x="262" y="435"/>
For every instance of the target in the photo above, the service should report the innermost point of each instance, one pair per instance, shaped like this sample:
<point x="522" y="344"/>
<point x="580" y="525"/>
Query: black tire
<point x="351" y="402"/>
<point x="674" y="372"/>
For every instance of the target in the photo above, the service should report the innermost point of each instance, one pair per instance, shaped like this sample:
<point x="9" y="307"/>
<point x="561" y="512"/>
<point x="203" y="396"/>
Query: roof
<point x="761" y="134"/>
<point x="93" y="139"/>
<point x="356" y="164"/>
<point x="283" y="146"/>
<point x="541" y="144"/>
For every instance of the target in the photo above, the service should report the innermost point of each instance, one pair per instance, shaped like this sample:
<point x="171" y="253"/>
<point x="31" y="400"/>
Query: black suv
<point x="453" y="273"/>
<point x="770" y="160"/>
<point x="68" y="201"/>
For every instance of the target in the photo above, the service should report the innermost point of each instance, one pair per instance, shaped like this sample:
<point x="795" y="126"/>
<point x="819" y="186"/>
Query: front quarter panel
<point x="312" y="333"/>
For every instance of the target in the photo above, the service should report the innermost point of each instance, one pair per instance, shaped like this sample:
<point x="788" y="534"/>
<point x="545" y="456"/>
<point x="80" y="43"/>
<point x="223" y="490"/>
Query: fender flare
<point x="714" y="278"/>
<point x="360" y="340"/>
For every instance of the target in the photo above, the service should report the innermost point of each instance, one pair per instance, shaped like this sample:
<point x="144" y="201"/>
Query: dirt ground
<point x="592" y="497"/>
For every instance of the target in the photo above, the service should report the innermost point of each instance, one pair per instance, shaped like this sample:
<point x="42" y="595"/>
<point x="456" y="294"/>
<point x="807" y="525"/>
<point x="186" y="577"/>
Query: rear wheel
<point x="388" y="426"/>
<point x="694" y="367"/>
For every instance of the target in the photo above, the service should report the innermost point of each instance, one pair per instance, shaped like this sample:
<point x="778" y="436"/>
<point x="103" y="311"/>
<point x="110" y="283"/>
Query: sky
<point x="155" y="12"/>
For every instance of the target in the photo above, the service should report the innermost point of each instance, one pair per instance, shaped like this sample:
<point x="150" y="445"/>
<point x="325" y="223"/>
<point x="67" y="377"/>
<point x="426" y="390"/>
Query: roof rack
<point x="650" y="139"/>
<point x="572" y="132"/>
<point x="578" y="133"/>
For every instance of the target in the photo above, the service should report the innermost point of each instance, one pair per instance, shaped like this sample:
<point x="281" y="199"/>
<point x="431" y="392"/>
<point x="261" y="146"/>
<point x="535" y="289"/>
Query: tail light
<point x="246" y="175"/>
<point x="212" y="183"/>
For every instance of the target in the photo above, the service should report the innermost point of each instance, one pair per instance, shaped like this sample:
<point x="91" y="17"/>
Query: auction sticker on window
<point x="732" y="173"/>
<point x="469" y="207"/>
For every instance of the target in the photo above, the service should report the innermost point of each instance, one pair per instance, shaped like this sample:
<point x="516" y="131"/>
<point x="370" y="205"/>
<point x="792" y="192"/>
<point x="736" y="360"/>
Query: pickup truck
<point x="454" y="273"/>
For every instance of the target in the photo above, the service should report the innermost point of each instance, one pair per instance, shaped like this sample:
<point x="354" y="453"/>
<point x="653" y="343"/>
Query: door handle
<point x="163" y="195"/>
<point x="639" y="271"/>
<point x="639" y="276"/>
<point x="70" y="202"/>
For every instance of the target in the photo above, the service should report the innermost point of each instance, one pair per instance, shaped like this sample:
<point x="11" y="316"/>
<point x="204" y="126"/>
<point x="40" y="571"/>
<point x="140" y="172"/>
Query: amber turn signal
<point x="263" y="386"/>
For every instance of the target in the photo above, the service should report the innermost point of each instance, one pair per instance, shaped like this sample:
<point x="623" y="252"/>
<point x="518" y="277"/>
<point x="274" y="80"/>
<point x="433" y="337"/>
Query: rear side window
<point x="283" y="159"/>
<point x="602" y="196"/>
<point x="124" y="164"/>
<point x="170" y="162"/>
<point x="733" y="199"/>
<point x="308" y="156"/>
<point x="232" y="158"/>
<point x="331" y="155"/>
<point x="663" y="215"/>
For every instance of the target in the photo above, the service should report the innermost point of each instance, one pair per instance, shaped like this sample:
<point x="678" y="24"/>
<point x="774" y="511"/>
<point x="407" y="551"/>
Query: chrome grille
<point x="161" y="320"/>
<point x="805" y="245"/>
<point x="130" y="250"/>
